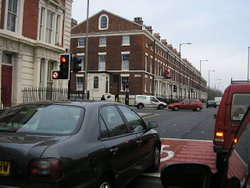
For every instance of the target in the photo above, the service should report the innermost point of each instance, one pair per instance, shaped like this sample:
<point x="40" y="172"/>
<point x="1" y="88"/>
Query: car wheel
<point x="160" y="107"/>
<point x="198" y="109"/>
<point x="176" y="108"/>
<point x="156" y="160"/>
<point x="105" y="182"/>
<point x="140" y="106"/>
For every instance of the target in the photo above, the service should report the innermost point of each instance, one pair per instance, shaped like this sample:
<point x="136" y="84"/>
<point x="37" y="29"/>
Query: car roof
<point x="87" y="103"/>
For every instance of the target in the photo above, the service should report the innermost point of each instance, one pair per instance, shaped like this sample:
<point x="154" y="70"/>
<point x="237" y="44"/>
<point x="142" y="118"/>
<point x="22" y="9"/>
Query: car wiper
<point x="8" y="130"/>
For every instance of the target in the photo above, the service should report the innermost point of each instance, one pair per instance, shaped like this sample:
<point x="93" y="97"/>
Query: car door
<point x="154" y="102"/>
<point x="185" y="104"/>
<point x="120" y="144"/>
<point x="145" y="140"/>
<point x="240" y="158"/>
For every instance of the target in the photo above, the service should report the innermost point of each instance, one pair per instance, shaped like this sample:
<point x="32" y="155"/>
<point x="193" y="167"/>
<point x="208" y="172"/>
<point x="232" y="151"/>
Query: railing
<point x="44" y="94"/>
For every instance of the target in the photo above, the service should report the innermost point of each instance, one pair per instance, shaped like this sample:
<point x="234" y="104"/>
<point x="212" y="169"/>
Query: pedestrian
<point x="103" y="98"/>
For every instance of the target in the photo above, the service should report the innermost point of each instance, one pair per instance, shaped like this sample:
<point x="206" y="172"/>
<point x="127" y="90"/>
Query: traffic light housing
<point x="64" y="71"/>
<point x="76" y="64"/>
<point x="175" y="88"/>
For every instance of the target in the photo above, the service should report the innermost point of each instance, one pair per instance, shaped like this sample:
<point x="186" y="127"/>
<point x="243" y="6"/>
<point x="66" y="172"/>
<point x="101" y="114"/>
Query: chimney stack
<point x="138" y="20"/>
<point x="157" y="35"/>
<point x="150" y="29"/>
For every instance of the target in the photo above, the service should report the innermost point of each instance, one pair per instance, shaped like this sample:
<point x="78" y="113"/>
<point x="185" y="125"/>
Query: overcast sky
<point x="219" y="30"/>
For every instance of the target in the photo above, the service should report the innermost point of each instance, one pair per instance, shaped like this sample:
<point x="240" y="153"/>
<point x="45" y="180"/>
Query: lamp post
<point x="248" y="63"/>
<point x="186" y="43"/>
<point x="209" y="77"/>
<point x="216" y="82"/>
<point x="86" y="54"/>
<point x="202" y="60"/>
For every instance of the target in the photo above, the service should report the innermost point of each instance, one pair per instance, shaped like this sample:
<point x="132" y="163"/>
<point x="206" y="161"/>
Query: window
<point x="50" y="25"/>
<point x="124" y="84"/>
<point x="12" y="15"/>
<point x="146" y="63"/>
<point x="113" y="121"/>
<point x="125" y="40"/>
<point x="96" y="82"/>
<point x="240" y="104"/>
<point x="79" y="83"/>
<point x="81" y="42"/>
<point x="125" y="61"/>
<point x="102" y="62"/>
<point x="135" y="122"/>
<point x="103" y="22"/>
<point x="7" y="58"/>
<point x="103" y="41"/>
<point x="82" y="58"/>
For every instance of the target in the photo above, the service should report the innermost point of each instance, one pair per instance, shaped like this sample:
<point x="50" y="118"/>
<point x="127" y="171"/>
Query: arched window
<point x="103" y="22"/>
<point x="96" y="82"/>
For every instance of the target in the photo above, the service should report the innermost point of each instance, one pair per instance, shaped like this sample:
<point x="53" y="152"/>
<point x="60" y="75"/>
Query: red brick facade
<point x="143" y="44"/>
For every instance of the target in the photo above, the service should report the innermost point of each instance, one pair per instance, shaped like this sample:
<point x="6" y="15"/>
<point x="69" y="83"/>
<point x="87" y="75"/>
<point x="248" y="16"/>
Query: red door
<point x="6" y="85"/>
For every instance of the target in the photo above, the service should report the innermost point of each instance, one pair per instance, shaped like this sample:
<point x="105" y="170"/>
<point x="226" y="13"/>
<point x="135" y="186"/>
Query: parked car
<point x="234" y="103"/>
<point x="211" y="103"/>
<point x="148" y="101"/>
<point x="75" y="144"/>
<point x="190" y="104"/>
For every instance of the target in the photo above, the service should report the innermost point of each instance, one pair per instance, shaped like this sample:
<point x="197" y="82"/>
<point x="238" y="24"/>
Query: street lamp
<point x="248" y="64"/>
<point x="202" y="60"/>
<point x="186" y="43"/>
<point x="216" y="82"/>
<point x="209" y="77"/>
<point x="86" y="54"/>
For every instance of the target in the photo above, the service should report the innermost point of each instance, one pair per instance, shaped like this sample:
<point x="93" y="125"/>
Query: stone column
<point x="36" y="72"/>
<point x="45" y="73"/>
<point x="17" y="80"/>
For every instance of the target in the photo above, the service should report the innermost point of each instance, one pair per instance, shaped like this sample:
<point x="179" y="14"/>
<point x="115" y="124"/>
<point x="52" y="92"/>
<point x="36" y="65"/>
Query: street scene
<point x="134" y="94"/>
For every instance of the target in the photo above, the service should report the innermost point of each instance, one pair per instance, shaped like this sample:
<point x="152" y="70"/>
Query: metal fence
<point x="44" y="94"/>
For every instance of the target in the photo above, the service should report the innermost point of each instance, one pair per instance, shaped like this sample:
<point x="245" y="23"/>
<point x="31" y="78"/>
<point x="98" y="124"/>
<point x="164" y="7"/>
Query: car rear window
<point x="41" y="119"/>
<point x="240" y="104"/>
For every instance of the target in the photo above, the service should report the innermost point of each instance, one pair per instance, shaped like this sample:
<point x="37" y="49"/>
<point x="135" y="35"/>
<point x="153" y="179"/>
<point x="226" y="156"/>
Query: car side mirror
<point x="152" y="125"/>
<point x="186" y="175"/>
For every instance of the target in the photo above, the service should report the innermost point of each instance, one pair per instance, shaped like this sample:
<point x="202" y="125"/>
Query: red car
<point x="191" y="104"/>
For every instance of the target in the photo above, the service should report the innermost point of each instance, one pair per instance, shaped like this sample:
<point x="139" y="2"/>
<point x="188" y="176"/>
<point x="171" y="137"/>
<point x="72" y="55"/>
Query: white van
<point x="142" y="101"/>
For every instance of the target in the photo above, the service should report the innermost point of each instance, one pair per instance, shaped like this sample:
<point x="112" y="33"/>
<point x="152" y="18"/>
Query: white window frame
<point x="81" y="44"/>
<point x="98" y="82"/>
<point x="57" y="23"/>
<point x="102" y="41"/>
<point x="79" y="85"/>
<point x="102" y="64"/>
<point x="100" y="22"/>
<point x="19" y="17"/>
<point x="125" y="40"/>
<point x="125" y="64"/>
<point x="126" y="78"/>
<point x="146" y="63"/>
<point x="82" y="57"/>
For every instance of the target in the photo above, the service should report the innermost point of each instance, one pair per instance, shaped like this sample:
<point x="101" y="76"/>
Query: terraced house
<point x="127" y="58"/>
<point x="32" y="35"/>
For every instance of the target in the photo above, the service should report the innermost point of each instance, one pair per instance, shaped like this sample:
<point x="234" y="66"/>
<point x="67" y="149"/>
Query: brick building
<point x="32" y="35"/>
<point x="126" y="57"/>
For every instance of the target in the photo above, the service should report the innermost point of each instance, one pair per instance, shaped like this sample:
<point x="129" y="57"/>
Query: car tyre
<point x="105" y="182"/>
<point x="140" y="106"/>
<point x="176" y="108"/>
<point x="156" y="160"/>
<point x="198" y="109"/>
<point x="160" y="107"/>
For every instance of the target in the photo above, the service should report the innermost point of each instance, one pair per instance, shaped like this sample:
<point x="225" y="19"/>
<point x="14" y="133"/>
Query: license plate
<point x="4" y="168"/>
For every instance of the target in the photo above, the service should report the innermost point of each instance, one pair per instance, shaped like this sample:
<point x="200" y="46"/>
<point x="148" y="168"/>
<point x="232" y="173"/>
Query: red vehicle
<point x="234" y="103"/>
<point x="191" y="104"/>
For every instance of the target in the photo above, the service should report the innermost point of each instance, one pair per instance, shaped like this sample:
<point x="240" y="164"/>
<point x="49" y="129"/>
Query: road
<point x="183" y="124"/>
<point x="187" y="134"/>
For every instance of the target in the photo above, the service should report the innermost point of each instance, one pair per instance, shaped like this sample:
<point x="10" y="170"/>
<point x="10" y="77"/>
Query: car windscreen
<point x="41" y="119"/>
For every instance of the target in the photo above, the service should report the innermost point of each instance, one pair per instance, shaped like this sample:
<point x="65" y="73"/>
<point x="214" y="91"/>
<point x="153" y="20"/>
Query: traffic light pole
<point x="69" y="85"/>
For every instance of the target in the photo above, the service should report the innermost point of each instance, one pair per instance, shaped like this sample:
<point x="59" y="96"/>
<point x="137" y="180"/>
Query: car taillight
<point x="219" y="138"/>
<point x="51" y="167"/>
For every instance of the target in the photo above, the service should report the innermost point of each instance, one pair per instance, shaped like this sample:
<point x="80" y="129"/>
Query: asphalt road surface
<point x="183" y="124"/>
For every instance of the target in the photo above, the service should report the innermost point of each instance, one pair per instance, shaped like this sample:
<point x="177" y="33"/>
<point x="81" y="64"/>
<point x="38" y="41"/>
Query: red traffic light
<point x="63" y="59"/>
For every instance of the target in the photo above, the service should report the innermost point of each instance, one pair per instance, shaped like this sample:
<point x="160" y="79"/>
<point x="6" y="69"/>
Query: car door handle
<point x="114" y="150"/>
<point x="139" y="142"/>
